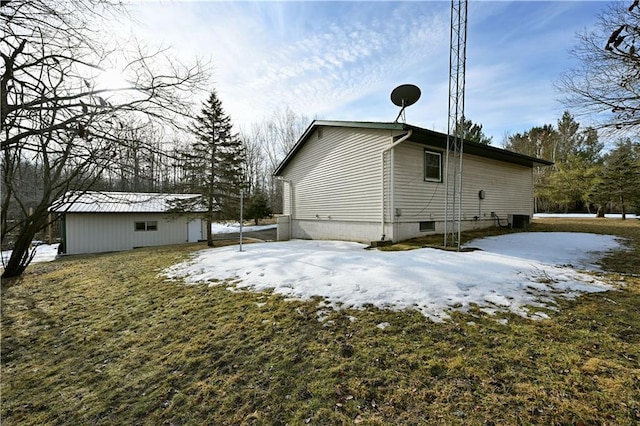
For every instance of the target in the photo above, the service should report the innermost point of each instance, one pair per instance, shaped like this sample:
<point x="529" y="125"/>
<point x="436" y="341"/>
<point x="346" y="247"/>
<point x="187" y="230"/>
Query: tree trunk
<point x="600" y="212"/>
<point x="209" y="235"/>
<point x="624" y="210"/>
<point x="20" y="256"/>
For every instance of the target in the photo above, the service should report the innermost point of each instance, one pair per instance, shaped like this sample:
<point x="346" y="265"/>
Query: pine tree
<point x="214" y="163"/>
<point x="620" y="178"/>
<point x="473" y="132"/>
<point x="258" y="206"/>
<point x="568" y="138"/>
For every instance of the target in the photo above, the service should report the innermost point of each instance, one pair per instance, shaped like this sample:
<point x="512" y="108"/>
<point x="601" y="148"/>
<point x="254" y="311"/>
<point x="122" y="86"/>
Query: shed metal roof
<point x="118" y="202"/>
<point x="419" y="135"/>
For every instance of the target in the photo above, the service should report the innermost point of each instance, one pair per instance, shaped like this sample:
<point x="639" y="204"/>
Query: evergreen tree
<point x="620" y="178"/>
<point x="214" y="163"/>
<point x="590" y="150"/>
<point x="570" y="184"/>
<point x="473" y="132"/>
<point x="568" y="138"/>
<point x="258" y="206"/>
<point x="576" y="155"/>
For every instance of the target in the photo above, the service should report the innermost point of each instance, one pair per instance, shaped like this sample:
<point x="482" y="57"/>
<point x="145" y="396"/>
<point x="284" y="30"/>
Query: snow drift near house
<point x="511" y="272"/>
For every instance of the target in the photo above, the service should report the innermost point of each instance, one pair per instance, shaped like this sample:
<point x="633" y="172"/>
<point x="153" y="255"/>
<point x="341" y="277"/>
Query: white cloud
<point x="341" y="60"/>
<point x="259" y="68"/>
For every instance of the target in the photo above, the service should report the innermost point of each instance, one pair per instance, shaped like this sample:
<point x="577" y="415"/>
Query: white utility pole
<point x="241" y="214"/>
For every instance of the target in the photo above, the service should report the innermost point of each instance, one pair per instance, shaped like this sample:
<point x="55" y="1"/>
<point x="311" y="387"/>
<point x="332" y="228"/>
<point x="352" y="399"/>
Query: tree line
<point x="584" y="177"/>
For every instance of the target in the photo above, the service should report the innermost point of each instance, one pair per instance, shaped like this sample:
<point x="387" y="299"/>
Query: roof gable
<point x="118" y="202"/>
<point x="419" y="135"/>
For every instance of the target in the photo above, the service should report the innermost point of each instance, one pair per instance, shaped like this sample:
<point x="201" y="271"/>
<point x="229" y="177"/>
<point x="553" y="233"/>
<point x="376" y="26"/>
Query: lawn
<point x="103" y="339"/>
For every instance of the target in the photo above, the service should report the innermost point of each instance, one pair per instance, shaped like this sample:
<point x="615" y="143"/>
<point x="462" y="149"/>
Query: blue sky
<point x="340" y="60"/>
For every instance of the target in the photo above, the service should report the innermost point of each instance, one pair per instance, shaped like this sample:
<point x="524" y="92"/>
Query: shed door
<point x="194" y="231"/>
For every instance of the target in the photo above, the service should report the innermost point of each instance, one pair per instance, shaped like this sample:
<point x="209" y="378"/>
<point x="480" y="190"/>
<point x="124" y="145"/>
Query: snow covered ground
<point x="44" y="253"/>
<point x="232" y="228"/>
<point x="510" y="272"/>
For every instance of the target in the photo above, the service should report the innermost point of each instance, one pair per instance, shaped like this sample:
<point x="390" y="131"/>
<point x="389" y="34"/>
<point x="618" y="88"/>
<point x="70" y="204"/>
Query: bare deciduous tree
<point x="267" y="143"/>
<point x="607" y="82"/>
<point x="56" y="115"/>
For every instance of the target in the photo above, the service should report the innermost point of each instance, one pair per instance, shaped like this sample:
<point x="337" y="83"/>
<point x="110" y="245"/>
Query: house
<point x="94" y="222"/>
<point x="372" y="181"/>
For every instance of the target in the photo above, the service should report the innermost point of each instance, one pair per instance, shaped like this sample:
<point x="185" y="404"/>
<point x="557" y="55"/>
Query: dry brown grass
<point x="104" y="340"/>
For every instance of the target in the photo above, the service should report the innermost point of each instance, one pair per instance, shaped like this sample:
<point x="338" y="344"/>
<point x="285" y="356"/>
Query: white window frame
<point x="149" y="225"/>
<point x="439" y="155"/>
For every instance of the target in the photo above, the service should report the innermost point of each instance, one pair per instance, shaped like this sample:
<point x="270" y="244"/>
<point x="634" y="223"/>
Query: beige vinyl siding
<point x="508" y="187"/>
<point x="338" y="176"/>
<point x="98" y="232"/>
<point x="417" y="199"/>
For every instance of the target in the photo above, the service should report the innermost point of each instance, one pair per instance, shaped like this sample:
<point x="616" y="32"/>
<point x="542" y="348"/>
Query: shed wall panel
<point x="97" y="232"/>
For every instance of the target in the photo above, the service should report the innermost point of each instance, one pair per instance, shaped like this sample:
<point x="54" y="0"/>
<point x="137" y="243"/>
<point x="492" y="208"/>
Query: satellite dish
<point x="403" y="96"/>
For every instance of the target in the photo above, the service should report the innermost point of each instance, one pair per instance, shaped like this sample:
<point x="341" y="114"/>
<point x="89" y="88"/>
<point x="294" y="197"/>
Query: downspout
<point x="290" y="203"/>
<point x="290" y="210"/>
<point x="384" y="151"/>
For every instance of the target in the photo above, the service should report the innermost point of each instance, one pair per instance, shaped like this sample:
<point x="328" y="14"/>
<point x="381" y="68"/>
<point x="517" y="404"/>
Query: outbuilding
<point x="94" y="222"/>
<point x="374" y="181"/>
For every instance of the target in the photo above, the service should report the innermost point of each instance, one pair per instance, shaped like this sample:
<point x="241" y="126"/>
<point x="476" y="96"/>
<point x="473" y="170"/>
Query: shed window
<point x="432" y="166"/>
<point x="146" y="226"/>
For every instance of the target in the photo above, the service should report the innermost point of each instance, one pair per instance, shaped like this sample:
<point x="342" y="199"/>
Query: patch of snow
<point x="540" y="315"/>
<point x="511" y="272"/>
<point x="557" y="248"/>
<point x="44" y="253"/>
<point x="323" y="314"/>
<point x="383" y="325"/>
<point x="234" y="228"/>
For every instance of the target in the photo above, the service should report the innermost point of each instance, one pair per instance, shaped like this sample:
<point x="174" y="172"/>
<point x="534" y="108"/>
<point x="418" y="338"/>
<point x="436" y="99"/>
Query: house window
<point x="427" y="226"/>
<point x="432" y="166"/>
<point x="146" y="226"/>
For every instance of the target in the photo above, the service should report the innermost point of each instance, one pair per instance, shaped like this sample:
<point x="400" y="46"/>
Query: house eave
<point x="420" y="135"/>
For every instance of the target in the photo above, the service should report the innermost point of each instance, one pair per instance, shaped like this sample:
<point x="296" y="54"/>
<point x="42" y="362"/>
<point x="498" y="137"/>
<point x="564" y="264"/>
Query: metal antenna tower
<point x="455" y="133"/>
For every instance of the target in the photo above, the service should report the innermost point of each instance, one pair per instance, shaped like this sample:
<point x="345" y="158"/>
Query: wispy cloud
<point x="340" y="60"/>
<point x="348" y="59"/>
